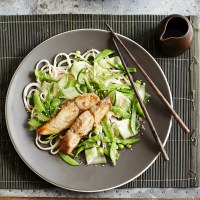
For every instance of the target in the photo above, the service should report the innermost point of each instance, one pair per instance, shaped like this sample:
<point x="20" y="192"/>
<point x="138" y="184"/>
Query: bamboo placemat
<point x="20" y="34"/>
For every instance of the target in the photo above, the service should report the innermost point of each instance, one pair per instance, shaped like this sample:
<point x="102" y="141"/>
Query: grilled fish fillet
<point x="68" y="113"/>
<point x="100" y="110"/>
<point x="84" y="124"/>
<point x="62" y="121"/>
<point x="86" y="101"/>
<point x="81" y="127"/>
<point x="69" y="142"/>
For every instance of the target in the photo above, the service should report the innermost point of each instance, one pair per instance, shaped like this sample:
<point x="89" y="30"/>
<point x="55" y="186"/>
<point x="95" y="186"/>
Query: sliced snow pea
<point x="107" y="129"/>
<point x="52" y="136"/>
<point x="44" y="76"/>
<point x="82" y="148"/>
<point x="39" y="106"/>
<point x="103" y="54"/>
<point x="90" y="140"/>
<point x="127" y="141"/>
<point x="54" y="104"/>
<point x="113" y="152"/>
<point x="117" y="87"/>
<point x="68" y="159"/>
<point x="120" y="112"/>
<point x="121" y="67"/>
<point x="106" y="152"/>
<point x="78" y="151"/>
<point x="42" y="117"/>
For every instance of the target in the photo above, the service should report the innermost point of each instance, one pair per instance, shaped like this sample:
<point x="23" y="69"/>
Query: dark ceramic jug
<point x="173" y="35"/>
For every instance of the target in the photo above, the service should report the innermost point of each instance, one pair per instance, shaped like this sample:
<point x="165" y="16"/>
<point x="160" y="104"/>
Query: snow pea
<point x="120" y="112"/>
<point x="68" y="159"/>
<point x="103" y="54"/>
<point x="78" y="151"/>
<point x="44" y="76"/>
<point x="82" y="148"/>
<point x="128" y="141"/>
<point x="117" y="87"/>
<point x="113" y="152"/>
<point x="107" y="129"/>
<point x="90" y="140"/>
<point x="121" y="67"/>
<point x="39" y="106"/>
<point x="54" y="104"/>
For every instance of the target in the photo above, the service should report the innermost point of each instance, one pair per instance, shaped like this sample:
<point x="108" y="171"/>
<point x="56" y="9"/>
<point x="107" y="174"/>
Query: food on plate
<point x="68" y="113"/>
<point x="83" y="104"/>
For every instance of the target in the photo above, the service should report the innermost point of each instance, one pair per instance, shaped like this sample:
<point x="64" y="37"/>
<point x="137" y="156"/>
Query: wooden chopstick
<point x="152" y="127"/>
<point x="160" y="95"/>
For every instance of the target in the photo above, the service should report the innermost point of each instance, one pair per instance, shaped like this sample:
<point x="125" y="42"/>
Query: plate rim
<point x="23" y="159"/>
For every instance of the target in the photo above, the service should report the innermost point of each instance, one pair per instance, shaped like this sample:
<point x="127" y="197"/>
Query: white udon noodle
<point x="55" y="70"/>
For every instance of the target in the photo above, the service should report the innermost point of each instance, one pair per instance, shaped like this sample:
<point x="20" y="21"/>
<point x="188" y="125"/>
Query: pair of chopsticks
<point x="116" y="39"/>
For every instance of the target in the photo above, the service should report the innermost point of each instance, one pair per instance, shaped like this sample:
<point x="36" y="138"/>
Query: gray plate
<point x="86" y="178"/>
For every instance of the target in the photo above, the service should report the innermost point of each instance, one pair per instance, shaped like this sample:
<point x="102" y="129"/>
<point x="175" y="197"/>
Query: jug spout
<point x="173" y="35"/>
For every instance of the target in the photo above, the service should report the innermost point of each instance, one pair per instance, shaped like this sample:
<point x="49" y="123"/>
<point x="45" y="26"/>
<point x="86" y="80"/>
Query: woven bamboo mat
<point x="20" y="34"/>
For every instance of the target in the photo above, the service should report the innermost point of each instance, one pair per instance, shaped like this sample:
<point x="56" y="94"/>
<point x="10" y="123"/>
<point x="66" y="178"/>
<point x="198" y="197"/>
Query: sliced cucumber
<point x="77" y="67"/>
<point x="70" y="93"/>
<point x="46" y="86"/>
<point x="122" y="101"/>
<point x="95" y="156"/>
<point x="55" y="90"/>
<point x="62" y="83"/>
<point x="34" y="124"/>
<point x="123" y="128"/>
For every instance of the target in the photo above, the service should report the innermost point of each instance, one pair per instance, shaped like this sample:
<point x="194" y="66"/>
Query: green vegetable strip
<point x="103" y="54"/>
<point x="90" y="140"/>
<point x="44" y="76"/>
<point x="120" y="67"/>
<point x="55" y="103"/>
<point x="107" y="129"/>
<point x="38" y="103"/>
<point x="68" y="159"/>
<point x="78" y="151"/>
<point x="113" y="152"/>
<point x="128" y="141"/>
<point x="117" y="86"/>
<point x="120" y="112"/>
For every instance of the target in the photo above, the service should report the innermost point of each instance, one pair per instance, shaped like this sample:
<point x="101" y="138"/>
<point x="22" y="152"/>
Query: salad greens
<point x="101" y="74"/>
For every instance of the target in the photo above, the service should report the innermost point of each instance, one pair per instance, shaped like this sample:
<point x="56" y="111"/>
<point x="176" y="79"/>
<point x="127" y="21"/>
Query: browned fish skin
<point x="69" y="142"/>
<point x="83" y="124"/>
<point x="86" y="101"/>
<point x="100" y="110"/>
<point x="68" y="114"/>
<point x="62" y="121"/>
